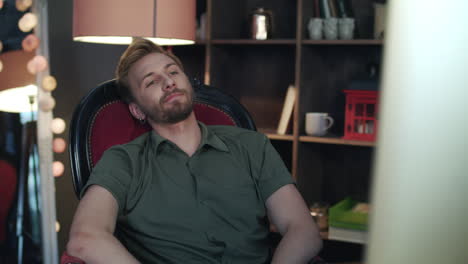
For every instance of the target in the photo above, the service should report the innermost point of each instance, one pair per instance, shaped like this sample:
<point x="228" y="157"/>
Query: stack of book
<point x="332" y="8"/>
<point x="348" y="221"/>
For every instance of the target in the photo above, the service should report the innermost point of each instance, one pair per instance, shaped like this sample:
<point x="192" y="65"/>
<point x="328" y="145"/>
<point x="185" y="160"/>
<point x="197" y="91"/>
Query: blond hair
<point x="138" y="49"/>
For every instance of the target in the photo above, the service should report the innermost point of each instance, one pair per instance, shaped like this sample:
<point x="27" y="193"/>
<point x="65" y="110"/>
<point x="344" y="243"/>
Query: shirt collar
<point x="211" y="139"/>
<point x="207" y="138"/>
<point x="156" y="139"/>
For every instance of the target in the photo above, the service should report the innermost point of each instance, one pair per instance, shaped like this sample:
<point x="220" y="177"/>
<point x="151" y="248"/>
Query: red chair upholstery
<point x="102" y="120"/>
<point x="8" y="181"/>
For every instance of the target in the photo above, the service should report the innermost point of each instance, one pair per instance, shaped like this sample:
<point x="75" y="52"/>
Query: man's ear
<point x="136" y="111"/>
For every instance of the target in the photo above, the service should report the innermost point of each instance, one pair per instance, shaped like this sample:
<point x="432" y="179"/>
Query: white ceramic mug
<point x="317" y="124"/>
<point x="315" y="27"/>
<point x="346" y="28"/>
<point x="330" y="28"/>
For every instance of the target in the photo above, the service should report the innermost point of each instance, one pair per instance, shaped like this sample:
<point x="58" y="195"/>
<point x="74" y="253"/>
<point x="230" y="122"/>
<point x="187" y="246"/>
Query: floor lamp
<point x="18" y="94"/>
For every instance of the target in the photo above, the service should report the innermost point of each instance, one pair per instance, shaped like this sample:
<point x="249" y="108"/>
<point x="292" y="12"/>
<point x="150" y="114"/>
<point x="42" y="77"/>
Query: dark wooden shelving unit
<point x="253" y="42"/>
<point x="258" y="73"/>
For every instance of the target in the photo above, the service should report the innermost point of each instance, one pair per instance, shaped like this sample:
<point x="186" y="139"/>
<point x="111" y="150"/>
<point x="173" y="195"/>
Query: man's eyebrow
<point x="151" y="73"/>
<point x="146" y="75"/>
<point x="169" y="65"/>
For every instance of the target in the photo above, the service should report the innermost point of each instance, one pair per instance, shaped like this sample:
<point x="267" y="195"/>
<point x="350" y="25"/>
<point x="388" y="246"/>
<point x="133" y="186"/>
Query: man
<point x="186" y="192"/>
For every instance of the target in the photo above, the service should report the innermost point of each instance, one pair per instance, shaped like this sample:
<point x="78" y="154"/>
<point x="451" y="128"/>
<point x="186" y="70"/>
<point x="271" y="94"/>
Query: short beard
<point x="178" y="112"/>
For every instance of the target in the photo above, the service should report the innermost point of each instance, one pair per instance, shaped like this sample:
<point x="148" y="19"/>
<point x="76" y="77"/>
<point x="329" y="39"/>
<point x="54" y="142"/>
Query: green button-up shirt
<point x="207" y="208"/>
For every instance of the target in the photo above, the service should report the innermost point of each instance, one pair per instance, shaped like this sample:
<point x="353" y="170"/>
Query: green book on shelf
<point x="341" y="8"/>
<point x="325" y="9"/>
<point x="333" y="12"/>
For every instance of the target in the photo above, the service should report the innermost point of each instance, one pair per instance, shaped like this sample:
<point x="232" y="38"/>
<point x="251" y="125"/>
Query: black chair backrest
<point x="102" y="120"/>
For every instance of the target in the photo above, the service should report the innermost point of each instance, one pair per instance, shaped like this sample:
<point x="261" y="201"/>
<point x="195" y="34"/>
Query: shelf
<point x="279" y="137"/>
<point x="344" y="42"/>
<point x="336" y="140"/>
<point x="254" y="42"/>
<point x="271" y="134"/>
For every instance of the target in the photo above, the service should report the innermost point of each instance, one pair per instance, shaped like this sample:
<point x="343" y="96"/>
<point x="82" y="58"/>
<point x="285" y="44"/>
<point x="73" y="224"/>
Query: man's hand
<point x="301" y="239"/>
<point x="92" y="231"/>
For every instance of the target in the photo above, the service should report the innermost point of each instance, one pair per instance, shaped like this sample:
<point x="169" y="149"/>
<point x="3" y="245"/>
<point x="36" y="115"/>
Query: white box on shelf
<point x="348" y="235"/>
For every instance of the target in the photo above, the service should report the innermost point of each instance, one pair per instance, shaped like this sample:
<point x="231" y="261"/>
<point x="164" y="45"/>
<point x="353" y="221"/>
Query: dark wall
<point x="78" y="67"/>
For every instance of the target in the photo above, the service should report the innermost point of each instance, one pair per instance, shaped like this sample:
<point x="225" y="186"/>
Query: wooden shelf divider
<point x="336" y="140"/>
<point x="280" y="137"/>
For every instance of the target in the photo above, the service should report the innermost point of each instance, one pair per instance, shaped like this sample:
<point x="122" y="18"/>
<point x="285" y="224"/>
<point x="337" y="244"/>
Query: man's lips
<point x="172" y="96"/>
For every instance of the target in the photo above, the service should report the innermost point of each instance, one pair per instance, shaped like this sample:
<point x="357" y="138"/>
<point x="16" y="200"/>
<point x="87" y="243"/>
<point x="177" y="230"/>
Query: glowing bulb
<point x="37" y="64"/>
<point x="46" y="103"/>
<point x="30" y="42"/>
<point x="59" y="145"/>
<point x="57" y="226"/>
<point x="23" y="5"/>
<point x="57" y="168"/>
<point x="57" y="126"/>
<point x="27" y="22"/>
<point x="49" y="83"/>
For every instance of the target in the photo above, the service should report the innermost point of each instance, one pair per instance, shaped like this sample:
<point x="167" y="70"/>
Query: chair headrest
<point x="114" y="125"/>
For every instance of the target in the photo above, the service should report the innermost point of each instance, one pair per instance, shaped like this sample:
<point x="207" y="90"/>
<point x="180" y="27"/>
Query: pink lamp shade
<point x="166" y="22"/>
<point x="15" y="73"/>
<point x="17" y="85"/>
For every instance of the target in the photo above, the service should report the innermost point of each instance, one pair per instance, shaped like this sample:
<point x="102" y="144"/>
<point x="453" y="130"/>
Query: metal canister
<point x="261" y="23"/>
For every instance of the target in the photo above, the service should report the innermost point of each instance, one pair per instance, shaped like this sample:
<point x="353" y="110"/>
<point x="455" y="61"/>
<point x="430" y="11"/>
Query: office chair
<point x="102" y="111"/>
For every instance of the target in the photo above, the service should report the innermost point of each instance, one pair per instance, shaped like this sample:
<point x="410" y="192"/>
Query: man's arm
<point x="301" y="239"/>
<point x="92" y="231"/>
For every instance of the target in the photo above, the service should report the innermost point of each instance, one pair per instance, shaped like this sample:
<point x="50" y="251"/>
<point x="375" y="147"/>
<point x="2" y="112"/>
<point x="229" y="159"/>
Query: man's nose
<point x="169" y="83"/>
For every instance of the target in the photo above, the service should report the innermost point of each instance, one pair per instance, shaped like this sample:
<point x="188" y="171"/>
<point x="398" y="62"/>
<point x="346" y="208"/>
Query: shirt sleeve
<point x="112" y="172"/>
<point x="273" y="172"/>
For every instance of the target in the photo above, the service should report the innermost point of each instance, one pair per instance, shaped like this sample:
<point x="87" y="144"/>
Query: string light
<point x="59" y="145"/>
<point x="37" y="64"/>
<point x="57" y="126"/>
<point x="30" y="43"/>
<point x="49" y="83"/>
<point x="46" y="103"/>
<point x="23" y="5"/>
<point x="57" y="168"/>
<point x="27" y="22"/>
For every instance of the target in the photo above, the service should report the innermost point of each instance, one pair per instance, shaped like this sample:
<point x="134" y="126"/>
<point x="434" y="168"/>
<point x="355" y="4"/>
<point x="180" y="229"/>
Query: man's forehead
<point x="151" y="62"/>
<point x="156" y="59"/>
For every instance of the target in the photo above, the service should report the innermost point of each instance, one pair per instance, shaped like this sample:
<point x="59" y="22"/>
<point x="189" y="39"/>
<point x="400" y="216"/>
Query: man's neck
<point x="185" y="134"/>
